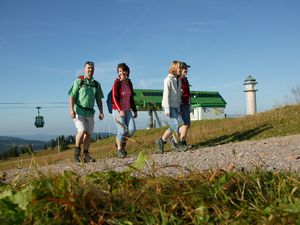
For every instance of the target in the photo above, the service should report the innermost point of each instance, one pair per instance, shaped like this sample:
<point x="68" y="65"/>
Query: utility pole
<point x="58" y="148"/>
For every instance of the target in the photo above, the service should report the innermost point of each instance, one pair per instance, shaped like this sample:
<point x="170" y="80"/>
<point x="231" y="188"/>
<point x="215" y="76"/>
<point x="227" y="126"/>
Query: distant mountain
<point x="49" y="137"/>
<point x="7" y="143"/>
<point x="39" y="137"/>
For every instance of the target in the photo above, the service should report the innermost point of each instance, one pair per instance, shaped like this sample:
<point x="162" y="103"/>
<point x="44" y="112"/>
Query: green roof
<point x="207" y="99"/>
<point x="151" y="98"/>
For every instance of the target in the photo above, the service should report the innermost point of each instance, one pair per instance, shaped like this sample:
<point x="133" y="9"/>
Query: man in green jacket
<point x="83" y="94"/>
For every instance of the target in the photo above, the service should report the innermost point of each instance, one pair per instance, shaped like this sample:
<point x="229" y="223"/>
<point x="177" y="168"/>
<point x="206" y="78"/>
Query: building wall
<point x="251" y="102"/>
<point x="206" y="113"/>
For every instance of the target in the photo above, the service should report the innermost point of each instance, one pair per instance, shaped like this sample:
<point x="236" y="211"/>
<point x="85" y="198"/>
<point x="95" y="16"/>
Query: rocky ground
<point x="276" y="153"/>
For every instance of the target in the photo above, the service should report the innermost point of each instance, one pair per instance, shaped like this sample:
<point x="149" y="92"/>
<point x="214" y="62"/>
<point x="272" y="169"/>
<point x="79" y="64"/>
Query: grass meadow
<point x="209" y="197"/>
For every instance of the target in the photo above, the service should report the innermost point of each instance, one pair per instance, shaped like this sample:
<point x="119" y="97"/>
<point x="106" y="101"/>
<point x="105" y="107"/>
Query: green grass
<point x="210" y="197"/>
<point x="278" y="122"/>
<point x="213" y="197"/>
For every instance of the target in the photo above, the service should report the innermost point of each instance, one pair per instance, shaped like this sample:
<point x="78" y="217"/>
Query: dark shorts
<point x="185" y="114"/>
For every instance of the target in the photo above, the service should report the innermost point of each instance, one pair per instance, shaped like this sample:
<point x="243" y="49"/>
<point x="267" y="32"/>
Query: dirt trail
<point x="276" y="153"/>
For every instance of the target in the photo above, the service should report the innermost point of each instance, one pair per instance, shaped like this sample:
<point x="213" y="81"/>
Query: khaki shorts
<point x="84" y="123"/>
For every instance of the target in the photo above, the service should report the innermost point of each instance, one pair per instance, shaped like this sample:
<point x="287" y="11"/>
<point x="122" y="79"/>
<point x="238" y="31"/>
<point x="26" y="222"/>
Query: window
<point x="154" y="94"/>
<point x="204" y="95"/>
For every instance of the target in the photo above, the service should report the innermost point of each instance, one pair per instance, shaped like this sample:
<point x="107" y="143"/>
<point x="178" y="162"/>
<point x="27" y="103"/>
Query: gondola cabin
<point x="39" y="120"/>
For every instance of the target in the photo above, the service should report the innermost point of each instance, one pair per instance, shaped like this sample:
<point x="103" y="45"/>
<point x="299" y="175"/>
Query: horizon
<point x="47" y="137"/>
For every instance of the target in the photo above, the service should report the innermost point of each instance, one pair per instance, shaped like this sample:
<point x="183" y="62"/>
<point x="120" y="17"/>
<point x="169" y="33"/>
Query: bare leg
<point x="183" y="132"/>
<point x="86" y="141"/>
<point x="166" y="135"/>
<point x="79" y="137"/>
<point x="119" y="144"/>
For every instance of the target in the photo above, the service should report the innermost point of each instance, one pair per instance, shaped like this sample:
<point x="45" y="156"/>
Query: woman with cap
<point x="185" y="107"/>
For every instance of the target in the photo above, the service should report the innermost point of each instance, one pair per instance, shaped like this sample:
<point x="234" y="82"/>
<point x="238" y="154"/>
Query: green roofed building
<point x="205" y="104"/>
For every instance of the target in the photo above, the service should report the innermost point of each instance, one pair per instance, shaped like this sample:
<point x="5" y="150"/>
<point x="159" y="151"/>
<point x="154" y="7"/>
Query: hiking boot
<point x="122" y="153"/>
<point x="172" y="143"/>
<point x="77" y="155"/>
<point x="160" y="145"/>
<point x="87" y="158"/>
<point x="184" y="143"/>
<point x="181" y="148"/>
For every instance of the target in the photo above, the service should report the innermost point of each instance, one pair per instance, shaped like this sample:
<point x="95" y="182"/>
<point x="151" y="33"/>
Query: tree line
<point x="16" y="150"/>
<point x="62" y="142"/>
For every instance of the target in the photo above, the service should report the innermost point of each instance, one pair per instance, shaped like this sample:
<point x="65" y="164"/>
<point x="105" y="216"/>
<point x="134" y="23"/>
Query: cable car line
<point x="39" y="119"/>
<point x="33" y="107"/>
<point x="26" y="105"/>
<point x="31" y="103"/>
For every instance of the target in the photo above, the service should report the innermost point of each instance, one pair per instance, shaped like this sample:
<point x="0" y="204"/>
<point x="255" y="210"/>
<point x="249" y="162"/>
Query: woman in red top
<point x="124" y="108"/>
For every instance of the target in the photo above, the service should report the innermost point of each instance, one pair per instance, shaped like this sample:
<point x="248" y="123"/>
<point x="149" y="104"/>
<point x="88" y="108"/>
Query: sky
<point x="44" y="45"/>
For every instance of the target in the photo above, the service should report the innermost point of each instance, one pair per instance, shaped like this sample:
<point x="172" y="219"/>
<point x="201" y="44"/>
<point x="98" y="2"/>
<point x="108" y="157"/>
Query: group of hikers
<point x="85" y="91"/>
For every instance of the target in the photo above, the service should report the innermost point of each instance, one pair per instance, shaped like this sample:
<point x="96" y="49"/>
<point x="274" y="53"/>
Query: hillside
<point x="282" y="121"/>
<point x="7" y="142"/>
<point x="243" y="171"/>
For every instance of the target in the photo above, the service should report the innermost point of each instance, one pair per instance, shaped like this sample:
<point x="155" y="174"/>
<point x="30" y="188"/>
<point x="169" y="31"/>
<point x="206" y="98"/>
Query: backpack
<point x="109" y="99"/>
<point x="95" y="83"/>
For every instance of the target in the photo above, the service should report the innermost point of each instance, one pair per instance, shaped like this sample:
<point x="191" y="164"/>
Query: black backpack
<point x="94" y="84"/>
<point x="109" y="99"/>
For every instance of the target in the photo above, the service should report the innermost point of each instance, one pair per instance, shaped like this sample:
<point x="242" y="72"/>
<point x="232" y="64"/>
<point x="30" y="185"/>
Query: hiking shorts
<point x="173" y="120"/>
<point x="185" y="114"/>
<point x="84" y="123"/>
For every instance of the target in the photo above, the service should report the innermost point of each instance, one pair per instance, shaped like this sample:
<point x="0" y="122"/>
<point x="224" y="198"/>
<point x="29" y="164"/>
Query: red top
<point x="185" y="89"/>
<point x="118" y="92"/>
<point x="125" y="96"/>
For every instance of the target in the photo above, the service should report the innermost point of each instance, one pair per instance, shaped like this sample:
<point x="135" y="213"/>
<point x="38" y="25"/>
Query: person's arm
<point x="132" y="102"/>
<point x="73" y="92"/>
<point x="99" y="96"/>
<point x="100" y="107"/>
<point x="72" y="111"/>
<point x="166" y="96"/>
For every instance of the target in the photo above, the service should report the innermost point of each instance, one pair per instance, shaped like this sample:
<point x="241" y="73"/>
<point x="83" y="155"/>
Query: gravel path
<point x="276" y="153"/>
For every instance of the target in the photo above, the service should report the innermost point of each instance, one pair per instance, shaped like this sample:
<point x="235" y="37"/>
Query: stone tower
<point x="250" y="83"/>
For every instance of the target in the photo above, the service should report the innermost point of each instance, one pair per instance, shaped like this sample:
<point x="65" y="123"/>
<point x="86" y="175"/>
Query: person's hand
<point x="122" y="114"/>
<point x="134" y="114"/>
<point x="72" y="114"/>
<point x="101" y="116"/>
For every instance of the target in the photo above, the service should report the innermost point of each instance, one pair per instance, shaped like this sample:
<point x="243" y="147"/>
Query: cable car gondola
<point x="39" y="120"/>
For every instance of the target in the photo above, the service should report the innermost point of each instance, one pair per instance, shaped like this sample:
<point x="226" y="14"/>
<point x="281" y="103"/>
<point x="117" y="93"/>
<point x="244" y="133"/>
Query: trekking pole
<point x="126" y="129"/>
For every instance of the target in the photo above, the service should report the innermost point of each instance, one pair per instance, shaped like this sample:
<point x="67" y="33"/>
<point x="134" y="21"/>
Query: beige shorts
<point x="84" y="123"/>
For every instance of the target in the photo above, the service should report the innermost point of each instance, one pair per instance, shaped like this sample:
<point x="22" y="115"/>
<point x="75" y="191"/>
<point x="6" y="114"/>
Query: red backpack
<point x="94" y="84"/>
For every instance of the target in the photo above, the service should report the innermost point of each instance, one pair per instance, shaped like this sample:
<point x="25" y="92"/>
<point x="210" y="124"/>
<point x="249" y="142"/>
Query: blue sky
<point x="44" y="44"/>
